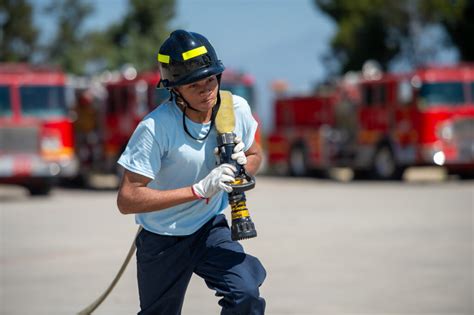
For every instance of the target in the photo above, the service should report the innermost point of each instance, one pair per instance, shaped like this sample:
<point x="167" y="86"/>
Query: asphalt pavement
<point x="328" y="247"/>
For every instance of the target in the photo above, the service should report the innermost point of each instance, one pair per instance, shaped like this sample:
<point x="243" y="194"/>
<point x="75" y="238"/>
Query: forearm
<point x="253" y="163"/>
<point x="137" y="199"/>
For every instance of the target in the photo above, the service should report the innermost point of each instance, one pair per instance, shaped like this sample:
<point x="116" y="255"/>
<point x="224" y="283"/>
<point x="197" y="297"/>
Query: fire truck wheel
<point x="40" y="188"/>
<point x="384" y="164"/>
<point x="298" y="165"/>
<point x="362" y="174"/>
<point x="464" y="174"/>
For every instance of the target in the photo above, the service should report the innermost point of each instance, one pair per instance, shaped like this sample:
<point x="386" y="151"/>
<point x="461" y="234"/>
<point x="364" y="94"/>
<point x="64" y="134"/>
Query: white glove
<point x="239" y="154"/>
<point x="215" y="181"/>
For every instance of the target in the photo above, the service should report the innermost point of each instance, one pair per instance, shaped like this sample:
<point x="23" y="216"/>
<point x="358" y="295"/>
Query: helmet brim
<point x="195" y="76"/>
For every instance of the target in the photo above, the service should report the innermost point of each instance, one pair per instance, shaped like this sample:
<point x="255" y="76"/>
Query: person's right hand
<point x="216" y="180"/>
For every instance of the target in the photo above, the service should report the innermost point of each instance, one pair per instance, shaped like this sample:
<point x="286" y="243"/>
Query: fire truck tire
<point x="362" y="174"/>
<point x="464" y="174"/>
<point x="298" y="161"/>
<point x="40" y="188"/>
<point x="384" y="165"/>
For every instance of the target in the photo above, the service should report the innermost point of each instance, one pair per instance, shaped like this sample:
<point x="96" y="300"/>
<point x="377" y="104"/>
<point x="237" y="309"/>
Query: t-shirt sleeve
<point x="246" y="120"/>
<point x="142" y="154"/>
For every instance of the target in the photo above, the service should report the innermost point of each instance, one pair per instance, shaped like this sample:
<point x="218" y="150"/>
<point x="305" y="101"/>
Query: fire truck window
<point x="125" y="99"/>
<point x="118" y="99"/>
<point x="375" y="95"/>
<point x="446" y="93"/>
<point x="5" y="106"/>
<point x="43" y="101"/>
<point x="110" y="109"/>
<point x="368" y="94"/>
<point x="112" y="100"/>
<point x="381" y="95"/>
<point x="240" y="90"/>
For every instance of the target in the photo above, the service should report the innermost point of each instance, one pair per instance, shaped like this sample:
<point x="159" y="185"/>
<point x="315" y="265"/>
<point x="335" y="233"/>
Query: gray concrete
<point x="329" y="248"/>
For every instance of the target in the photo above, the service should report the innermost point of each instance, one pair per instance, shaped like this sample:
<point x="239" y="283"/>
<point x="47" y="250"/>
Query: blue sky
<point x="271" y="39"/>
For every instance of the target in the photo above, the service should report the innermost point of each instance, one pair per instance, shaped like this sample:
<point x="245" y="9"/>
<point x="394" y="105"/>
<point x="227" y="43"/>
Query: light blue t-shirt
<point x="161" y="150"/>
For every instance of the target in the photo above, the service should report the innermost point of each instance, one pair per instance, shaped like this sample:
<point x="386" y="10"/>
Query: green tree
<point x="18" y="35"/>
<point x="69" y="46"/>
<point x="136" y="38"/>
<point x="462" y="30"/>
<point x="382" y="29"/>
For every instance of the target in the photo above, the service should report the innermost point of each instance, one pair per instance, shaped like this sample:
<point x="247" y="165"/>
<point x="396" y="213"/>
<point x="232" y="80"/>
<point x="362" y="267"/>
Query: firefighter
<point x="86" y="126"/>
<point x="177" y="192"/>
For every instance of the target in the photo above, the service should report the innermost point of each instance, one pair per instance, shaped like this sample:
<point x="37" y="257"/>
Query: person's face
<point x="202" y="95"/>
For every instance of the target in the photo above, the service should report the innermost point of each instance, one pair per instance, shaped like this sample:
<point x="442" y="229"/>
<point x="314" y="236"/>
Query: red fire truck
<point x="36" y="136"/>
<point x="381" y="125"/>
<point x="128" y="98"/>
<point x="239" y="83"/>
<point x="106" y="119"/>
<point x="128" y="101"/>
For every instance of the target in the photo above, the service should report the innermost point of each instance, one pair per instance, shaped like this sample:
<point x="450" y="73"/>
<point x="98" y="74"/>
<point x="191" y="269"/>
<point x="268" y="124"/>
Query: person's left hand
<point x="239" y="154"/>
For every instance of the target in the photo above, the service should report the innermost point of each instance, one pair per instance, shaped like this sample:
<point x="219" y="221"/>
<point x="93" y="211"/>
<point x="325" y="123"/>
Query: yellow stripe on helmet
<point x="163" y="58"/>
<point x="194" y="52"/>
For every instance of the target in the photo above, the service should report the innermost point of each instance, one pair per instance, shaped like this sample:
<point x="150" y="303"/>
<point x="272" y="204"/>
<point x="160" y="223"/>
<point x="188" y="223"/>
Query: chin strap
<point x="215" y="109"/>
<point x="177" y="96"/>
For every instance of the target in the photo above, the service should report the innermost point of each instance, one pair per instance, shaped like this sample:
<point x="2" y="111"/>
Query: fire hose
<point x="94" y="305"/>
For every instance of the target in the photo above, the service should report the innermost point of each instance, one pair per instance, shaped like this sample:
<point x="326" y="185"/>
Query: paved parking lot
<point x="328" y="247"/>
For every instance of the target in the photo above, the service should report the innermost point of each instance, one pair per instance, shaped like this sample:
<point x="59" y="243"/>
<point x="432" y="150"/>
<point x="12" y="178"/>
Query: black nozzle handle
<point x="249" y="184"/>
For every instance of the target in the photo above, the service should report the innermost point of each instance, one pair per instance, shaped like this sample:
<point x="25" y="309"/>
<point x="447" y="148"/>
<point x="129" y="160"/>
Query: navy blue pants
<point x="165" y="265"/>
